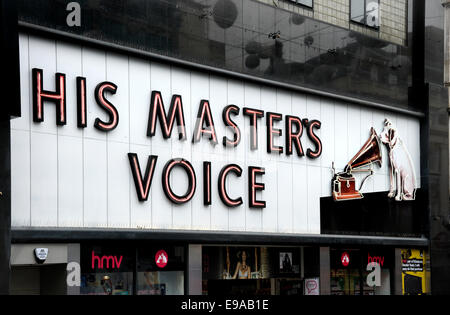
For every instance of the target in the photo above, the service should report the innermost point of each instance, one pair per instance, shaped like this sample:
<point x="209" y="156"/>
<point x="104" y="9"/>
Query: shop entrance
<point x="245" y="270"/>
<point x="39" y="280"/>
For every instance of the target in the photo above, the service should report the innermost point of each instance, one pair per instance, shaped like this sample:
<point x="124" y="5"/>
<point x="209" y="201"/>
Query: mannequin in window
<point x="242" y="269"/>
<point x="287" y="266"/>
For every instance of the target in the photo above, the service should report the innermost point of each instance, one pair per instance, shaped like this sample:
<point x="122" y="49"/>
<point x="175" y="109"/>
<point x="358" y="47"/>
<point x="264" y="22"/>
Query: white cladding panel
<point x="71" y="177"/>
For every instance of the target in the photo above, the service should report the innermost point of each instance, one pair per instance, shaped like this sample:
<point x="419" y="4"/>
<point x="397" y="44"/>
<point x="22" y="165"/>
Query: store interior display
<point x="250" y="270"/>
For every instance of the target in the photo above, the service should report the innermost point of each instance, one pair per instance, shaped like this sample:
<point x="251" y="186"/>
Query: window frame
<point x="296" y="2"/>
<point x="365" y="15"/>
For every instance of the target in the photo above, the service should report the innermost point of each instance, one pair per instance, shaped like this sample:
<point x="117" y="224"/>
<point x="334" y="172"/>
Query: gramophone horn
<point x="370" y="153"/>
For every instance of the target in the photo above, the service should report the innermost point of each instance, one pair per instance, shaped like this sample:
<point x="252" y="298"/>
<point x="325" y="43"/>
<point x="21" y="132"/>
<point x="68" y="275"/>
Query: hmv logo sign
<point x="375" y="259"/>
<point x="106" y="262"/>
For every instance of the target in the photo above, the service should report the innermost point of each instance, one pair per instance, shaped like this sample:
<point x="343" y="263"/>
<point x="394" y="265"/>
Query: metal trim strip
<point x="24" y="235"/>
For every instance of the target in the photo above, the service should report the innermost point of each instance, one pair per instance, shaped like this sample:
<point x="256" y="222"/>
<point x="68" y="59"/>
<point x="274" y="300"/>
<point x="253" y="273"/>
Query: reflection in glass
<point x="246" y="37"/>
<point x="113" y="283"/>
<point x="365" y="12"/>
<point x="357" y="11"/>
<point x="160" y="283"/>
<point x="154" y="280"/>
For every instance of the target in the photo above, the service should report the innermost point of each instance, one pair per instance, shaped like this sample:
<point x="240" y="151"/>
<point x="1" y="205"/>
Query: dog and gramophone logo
<point x="401" y="171"/>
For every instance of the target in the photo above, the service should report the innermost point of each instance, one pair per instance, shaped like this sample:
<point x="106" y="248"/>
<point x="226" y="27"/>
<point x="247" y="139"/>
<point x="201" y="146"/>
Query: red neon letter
<point x="204" y="115"/>
<point x="253" y="187"/>
<point x="294" y="137"/>
<point x="142" y="184"/>
<point x="81" y="102"/>
<point x="157" y="110"/>
<point x="313" y="137"/>
<point x="207" y="183"/>
<point x="253" y="114"/>
<point x="222" y="184"/>
<point x="166" y="183"/>
<point x="100" y="91"/>
<point x="228" y="122"/>
<point x="40" y="95"/>
<point x="271" y="117"/>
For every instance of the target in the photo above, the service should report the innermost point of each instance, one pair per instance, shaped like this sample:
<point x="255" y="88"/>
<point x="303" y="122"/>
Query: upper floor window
<point x="306" y="3"/>
<point x="365" y="12"/>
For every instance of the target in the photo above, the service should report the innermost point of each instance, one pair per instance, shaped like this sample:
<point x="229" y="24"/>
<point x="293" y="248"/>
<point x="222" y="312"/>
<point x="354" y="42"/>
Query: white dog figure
<point x="402" y="175"/>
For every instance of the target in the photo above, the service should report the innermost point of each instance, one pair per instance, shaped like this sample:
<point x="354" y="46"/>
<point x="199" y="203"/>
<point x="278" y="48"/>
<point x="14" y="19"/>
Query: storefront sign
<point x="345" y="259"/>
<point x="375" y="259"/>
<point x="105" y="261"/>
<point x="312" y="286"/>
<point x="402" y="175"/>
<point x="413" y="272"/>
<point x="374" y="277"/>
<point x="344" y="184"/>
<point x="412" y="265"/>
<point x="41" y="254"/>
<point x="161" y="259"/>
<point x="110" y="141"/>
<point x="204" y="128"/>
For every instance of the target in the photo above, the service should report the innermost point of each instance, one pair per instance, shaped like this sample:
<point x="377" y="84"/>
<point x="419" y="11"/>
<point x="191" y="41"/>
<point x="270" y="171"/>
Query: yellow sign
<point x="414" y="272"/>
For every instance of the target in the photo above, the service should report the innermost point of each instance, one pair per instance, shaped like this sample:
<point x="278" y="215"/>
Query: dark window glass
<point x="365" y="12"/>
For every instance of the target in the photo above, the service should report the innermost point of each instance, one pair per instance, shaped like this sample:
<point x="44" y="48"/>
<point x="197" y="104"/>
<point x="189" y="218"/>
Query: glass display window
<point x="247" y="270"/>
<point x="145" y="269"/>
<point x="106" y="271"/>
<point x="160" y="270"/>
<point x="361" y="271"/>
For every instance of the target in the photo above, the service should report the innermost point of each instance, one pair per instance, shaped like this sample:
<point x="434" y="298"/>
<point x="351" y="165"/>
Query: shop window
<point x="107" y="271"/>
<point x="306" y="3"/>
<point x="352" y="272"/>
<point x="366" y="12"/>
<point x="146" y="270"/>
<point x="258" y="271"/>
<point x="160" y="271"/>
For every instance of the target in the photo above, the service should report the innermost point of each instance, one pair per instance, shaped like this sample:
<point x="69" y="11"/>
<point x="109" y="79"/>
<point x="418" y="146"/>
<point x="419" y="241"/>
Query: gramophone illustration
<point x="344" y="184"/>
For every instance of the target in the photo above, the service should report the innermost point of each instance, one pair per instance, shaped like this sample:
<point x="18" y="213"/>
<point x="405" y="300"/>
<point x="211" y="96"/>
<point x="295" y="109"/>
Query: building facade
<point x="226" y="147"/>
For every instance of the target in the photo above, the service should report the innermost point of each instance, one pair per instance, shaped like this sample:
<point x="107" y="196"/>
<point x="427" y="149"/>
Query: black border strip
<point x="41" y="30"/>
<point x="62" y="235"/>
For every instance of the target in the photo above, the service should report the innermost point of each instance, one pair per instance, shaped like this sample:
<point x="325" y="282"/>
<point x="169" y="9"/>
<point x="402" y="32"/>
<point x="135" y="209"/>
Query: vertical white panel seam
<point x="245" y="166"/>
<point x="292" y="179"/>
<point x="57" y="144"/>
<point x="276" y="166"/>
<point x="151" y="144"/>
<point x="259" y="154"/>
<point x="192" y="153"/>
<point x="30" y="97"/>
<point x="82" y="150"/>
<point x="107" y="153"/>
<point x="227" y="156"/>
<point x="129" y="142"/>
<point x="307" y="175"/>
<point x="171" y="144"/>
<point x="209" y="100"/>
